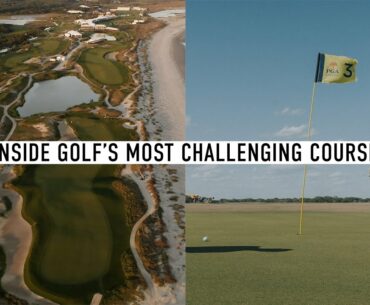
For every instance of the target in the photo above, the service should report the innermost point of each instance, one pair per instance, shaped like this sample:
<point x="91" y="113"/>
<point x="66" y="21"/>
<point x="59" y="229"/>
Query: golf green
<point x="79" y="231"/>
<point x="257" y="258"/>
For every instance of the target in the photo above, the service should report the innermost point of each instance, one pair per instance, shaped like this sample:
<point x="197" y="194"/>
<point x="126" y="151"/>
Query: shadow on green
<point x="224" y="249"/>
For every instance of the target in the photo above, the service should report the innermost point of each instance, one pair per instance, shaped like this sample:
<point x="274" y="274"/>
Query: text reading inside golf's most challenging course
<point x="177" y="152"/>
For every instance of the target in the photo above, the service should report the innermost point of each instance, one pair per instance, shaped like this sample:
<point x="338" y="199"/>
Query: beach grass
<point x="257" y="258"/>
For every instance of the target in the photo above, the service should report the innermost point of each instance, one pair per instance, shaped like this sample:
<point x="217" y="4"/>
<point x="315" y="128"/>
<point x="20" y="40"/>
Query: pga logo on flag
<point x="335" y="69"/>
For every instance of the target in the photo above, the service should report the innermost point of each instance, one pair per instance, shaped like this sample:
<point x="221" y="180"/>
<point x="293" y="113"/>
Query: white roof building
<point x="98" y="37"/>
<point x="137" y="21"/>
<point x="92" y="23"/>
<point x="56" y="58"/>
<point x="75" y="12"/>
<point x="138" y="8"/>
<point x="123" y="9"/>
<point x="109" y="28"/>
<point x="73" y="34"/>
<point x="87" y="27"/>
<point x="100" y="27"/>
<point x="103" y="17"/>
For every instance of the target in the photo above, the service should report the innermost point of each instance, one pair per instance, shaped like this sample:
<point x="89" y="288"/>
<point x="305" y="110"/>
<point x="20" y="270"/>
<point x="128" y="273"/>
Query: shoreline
<point x="178" y="53"/>
<point x="166" y="57"/>
<point x="169" y="91"/>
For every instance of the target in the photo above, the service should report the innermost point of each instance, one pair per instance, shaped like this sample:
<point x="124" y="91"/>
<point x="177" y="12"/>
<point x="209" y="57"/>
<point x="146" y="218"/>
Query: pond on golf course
<point x="19" y="19"/>
<point x="56" y="95"/>
<point x="167" y="13"/>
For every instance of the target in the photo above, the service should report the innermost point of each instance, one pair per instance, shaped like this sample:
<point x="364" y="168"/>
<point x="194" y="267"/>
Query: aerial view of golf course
<point x="91" y="71"/>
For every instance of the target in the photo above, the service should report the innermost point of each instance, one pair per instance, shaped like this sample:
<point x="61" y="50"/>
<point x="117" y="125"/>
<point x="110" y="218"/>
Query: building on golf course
<point x="73" y="34"/>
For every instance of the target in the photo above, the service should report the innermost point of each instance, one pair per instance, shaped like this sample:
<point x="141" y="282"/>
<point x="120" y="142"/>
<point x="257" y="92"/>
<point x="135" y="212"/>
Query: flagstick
<point x="309" y="135"/>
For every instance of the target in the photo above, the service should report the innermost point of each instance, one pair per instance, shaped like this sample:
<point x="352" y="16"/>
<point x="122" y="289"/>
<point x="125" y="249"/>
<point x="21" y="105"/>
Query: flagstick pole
<point x="309" y="135"/>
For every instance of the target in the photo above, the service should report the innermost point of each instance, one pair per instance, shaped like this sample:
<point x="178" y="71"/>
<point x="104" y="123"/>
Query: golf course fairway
<point x="79" y="231"/>
<point x="255" y="257"/>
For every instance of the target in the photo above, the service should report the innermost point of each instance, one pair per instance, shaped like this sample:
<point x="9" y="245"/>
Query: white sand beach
<point x="168" y="72"/>
<point x="162" y="113"/>
<point x="166" y="56"/>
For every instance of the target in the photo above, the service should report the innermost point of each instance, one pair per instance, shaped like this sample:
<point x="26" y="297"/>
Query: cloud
<point x="292" y="131"/>
<point x="291" y="111"/>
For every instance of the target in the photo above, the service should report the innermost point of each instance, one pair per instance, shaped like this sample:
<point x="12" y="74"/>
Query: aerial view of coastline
<point x="92" y="71"/>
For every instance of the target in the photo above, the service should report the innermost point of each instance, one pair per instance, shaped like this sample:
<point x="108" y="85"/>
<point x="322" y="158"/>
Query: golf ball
<point x="205" y="238"/>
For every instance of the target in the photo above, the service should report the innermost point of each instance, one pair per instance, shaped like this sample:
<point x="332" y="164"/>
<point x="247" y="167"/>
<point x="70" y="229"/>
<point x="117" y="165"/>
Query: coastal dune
<point x="163" y="110"/>
<point x="166" y="56"/>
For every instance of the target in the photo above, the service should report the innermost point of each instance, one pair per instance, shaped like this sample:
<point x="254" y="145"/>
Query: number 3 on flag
<point x="335" y="69"/>
<point x="348" y="72"/>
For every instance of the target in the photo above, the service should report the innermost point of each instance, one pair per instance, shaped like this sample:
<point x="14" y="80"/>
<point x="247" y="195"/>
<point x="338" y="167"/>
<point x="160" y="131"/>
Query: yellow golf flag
<point x="335" y="69"/>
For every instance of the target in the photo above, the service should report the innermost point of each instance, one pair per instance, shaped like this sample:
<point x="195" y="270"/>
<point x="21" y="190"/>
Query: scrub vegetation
<point x="18" y="85"/>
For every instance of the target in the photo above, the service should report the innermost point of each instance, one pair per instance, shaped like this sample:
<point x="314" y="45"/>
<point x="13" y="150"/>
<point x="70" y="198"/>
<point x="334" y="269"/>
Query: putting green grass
<point x="90" y="127"/>
<point x="328" y="265"/>
<point x="79" y="231"/>
<point x="51" y="46"/>
<point x="101" y="70"/>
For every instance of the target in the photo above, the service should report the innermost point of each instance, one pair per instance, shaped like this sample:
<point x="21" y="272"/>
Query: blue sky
<point x="250" y="67"/>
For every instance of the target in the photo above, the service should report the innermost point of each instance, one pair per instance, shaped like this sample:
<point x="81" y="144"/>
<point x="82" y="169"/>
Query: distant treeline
<point x="324" y="199"/>
<point x="45" y="6"/>
<point x="32" y="6"/>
